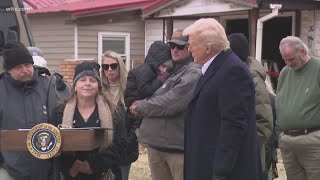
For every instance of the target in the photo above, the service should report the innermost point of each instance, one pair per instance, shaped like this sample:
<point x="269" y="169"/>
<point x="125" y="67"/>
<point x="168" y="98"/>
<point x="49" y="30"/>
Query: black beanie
<point x="158" y="53"/>
<point x="87" y="68"/>
<point x="239" y="45"/>
<point x="14" y="54"/>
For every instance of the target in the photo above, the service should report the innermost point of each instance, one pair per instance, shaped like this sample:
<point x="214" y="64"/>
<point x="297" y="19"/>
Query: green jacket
<point x="264" y="121"/>
<point x="263" y="104"/>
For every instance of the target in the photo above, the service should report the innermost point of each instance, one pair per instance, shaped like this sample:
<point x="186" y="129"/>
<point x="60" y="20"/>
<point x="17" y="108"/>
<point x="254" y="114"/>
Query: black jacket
<point x="99" y="160"/>
<point x="142" y="82"/>
<point x="131" y="124"/>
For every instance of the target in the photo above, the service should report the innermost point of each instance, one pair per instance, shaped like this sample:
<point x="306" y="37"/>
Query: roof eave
<point x="30" y="4"/>
<point x="197" y="9"/>
<point x="245" y="3"/>
<point x="103" y="12"/>
<point x="39" y="11"/>
<point x="156" y="6"/>
<point x="114" y="7"/>
<point x="86" y="11"/>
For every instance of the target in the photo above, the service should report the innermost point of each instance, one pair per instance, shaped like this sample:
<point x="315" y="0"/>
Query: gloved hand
<point x="162" y="76"/>
<point x="60" y="84"/>
<point x="43" y="70"/>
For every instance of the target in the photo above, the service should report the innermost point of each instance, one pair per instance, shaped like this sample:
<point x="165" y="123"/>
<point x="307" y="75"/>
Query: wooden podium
<point x="72" y="139"/>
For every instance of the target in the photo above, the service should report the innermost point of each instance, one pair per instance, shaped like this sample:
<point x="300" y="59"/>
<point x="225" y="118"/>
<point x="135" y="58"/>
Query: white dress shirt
<point x="207" y="64"/>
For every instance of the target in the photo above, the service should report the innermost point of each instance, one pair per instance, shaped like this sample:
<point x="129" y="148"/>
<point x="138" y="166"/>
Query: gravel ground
<point x="140" y="169"/>
<point x="280" y="167"/>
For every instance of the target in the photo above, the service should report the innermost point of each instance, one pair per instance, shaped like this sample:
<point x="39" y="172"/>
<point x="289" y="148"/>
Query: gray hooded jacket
<point x="164" y="112"/>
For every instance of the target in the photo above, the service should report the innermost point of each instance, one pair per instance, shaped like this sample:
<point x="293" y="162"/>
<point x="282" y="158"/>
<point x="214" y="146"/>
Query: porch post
<point x="253" y="18"/>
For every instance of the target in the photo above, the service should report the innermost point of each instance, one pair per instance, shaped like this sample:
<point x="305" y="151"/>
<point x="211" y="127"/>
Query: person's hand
<point x="162" y="76"/>
<point x="85" y="168"/>
<point x="43" y="70"/>
<point x="60" y="84"/>
<point x="133" y="109"/>
<point x="74" y="171"/>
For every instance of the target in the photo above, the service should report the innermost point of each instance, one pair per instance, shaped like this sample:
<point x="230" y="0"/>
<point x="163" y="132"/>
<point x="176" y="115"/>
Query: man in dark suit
<point x="220" y="131"/>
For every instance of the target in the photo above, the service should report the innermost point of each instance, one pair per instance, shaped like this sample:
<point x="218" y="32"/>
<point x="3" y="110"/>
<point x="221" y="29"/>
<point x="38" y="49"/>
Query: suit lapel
<point x="211" y="71"/>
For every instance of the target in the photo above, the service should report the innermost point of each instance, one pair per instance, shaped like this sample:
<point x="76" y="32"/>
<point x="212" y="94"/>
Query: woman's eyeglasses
<point x="113" y="66"/>
<point x="173" y="45"/>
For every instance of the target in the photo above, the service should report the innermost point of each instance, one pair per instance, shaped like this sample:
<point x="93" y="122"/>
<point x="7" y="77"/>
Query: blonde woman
<point x="114" y="77"/>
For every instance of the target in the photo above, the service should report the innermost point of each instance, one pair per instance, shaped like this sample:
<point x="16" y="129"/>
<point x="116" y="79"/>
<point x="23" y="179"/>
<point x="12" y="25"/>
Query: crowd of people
<point x="201" y="104"/>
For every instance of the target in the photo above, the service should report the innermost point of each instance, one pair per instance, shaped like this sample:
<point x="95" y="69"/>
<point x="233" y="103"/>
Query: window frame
<point x="126" y="36"/>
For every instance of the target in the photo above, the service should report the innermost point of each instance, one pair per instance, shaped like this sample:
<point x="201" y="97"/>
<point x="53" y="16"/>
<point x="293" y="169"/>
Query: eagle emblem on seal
<point x="43" y="142"/>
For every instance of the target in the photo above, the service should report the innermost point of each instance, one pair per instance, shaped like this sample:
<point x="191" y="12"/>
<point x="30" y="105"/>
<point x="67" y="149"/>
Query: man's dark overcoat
<point x="220" y="131"/>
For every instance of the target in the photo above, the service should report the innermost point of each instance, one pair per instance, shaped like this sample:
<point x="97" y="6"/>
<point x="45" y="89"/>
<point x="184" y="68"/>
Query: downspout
<point x="75" y="41"/>
<point x="275" y="9"/>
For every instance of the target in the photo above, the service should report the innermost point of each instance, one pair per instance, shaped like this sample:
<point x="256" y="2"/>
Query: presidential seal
<point x="44" y="141"/>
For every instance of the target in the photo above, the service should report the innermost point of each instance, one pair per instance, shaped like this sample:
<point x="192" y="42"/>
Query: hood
<point x="256" y="68"/>
<point x="158" y="53"/>
<point x="239" y="45"/>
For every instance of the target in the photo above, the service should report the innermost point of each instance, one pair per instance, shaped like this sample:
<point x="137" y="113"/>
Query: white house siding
<point x="200" y="7"/>
<point x="182" y="24"/>
<point x="88" y="37"/>
<point x="310" y="30"/>
<point x="53" y="36"/>
<point x="154" y="29"/>
<point x="154" y="32"/>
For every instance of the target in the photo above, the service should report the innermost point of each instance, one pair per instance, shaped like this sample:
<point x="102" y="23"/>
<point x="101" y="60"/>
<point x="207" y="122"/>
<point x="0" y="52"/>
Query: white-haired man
<point x="298" y="110"/>
<point x="220" y="130"/>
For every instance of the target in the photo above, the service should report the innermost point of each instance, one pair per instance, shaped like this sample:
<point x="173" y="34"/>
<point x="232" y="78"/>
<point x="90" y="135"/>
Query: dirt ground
<point x="140" y="169"/>
<point x="280" y="166"/>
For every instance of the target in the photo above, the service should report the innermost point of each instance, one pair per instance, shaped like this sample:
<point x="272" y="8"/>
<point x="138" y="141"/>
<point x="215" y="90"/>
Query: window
<point x="8" y="23"/>
<point x="117" y="42"/>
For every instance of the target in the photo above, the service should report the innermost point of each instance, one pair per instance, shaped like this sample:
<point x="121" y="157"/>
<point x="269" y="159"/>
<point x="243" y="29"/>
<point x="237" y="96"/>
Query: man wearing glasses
<point x="179" y="50"/>
<point x="162" y="128"/>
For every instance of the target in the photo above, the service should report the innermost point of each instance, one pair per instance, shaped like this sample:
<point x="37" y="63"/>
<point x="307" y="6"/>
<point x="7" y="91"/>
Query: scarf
<point x="104" y="115"/>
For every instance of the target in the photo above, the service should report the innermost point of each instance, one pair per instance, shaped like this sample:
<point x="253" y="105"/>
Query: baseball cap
<point x="178" y="38"/>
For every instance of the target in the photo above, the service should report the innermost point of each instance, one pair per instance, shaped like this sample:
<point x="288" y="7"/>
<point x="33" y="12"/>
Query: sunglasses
<point x="173" y="45"/>
<point x="113" y="66"/>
